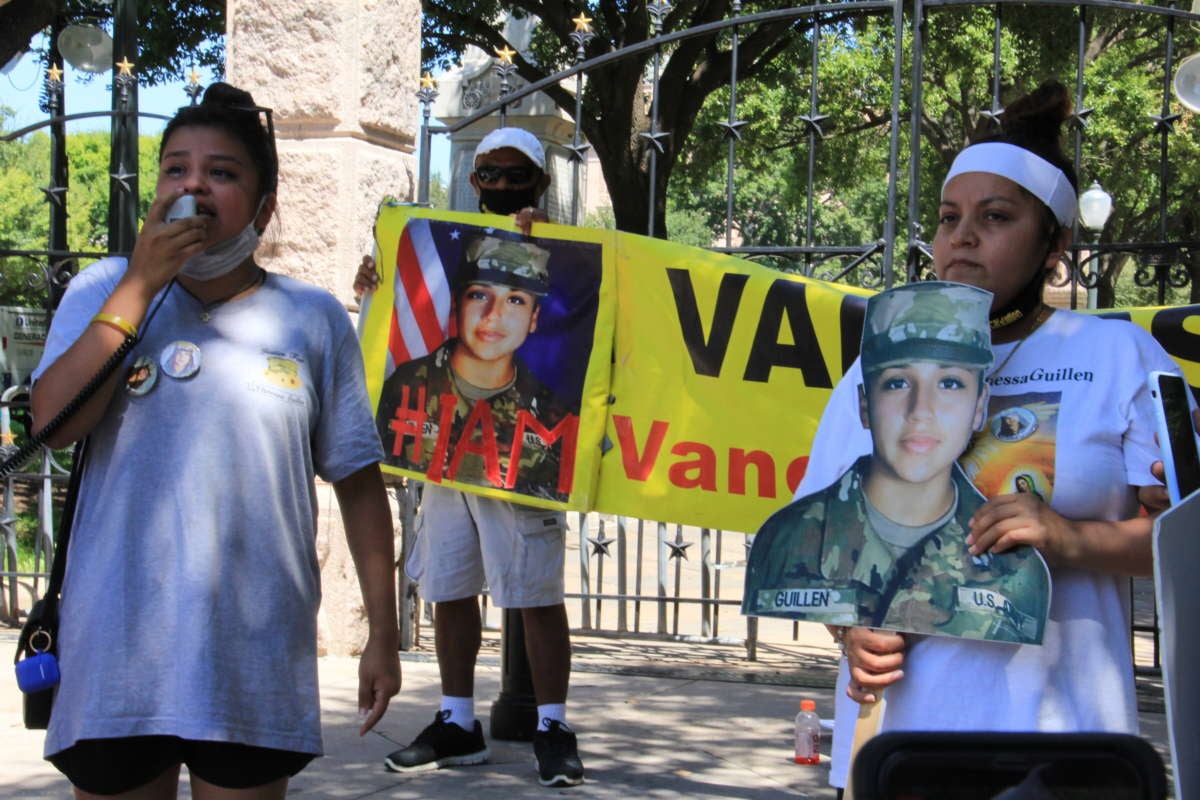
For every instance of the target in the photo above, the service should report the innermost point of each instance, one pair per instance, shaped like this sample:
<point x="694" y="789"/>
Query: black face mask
<point x="507" y="201"/>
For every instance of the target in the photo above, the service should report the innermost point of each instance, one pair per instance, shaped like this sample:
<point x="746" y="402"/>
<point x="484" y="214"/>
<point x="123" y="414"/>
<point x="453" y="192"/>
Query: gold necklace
<point x="206" y="308"/>
<point x="1037" y="323"/>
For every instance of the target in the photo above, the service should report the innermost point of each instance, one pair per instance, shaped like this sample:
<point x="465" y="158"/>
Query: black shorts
<point x="113" y="766"/>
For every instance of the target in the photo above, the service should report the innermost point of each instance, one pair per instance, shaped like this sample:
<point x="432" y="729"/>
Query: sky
<point x="20" y="90"/>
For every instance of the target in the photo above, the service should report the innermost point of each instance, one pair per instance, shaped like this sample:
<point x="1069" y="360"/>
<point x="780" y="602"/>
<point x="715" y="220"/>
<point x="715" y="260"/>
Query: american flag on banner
<point x="421" y="314"/>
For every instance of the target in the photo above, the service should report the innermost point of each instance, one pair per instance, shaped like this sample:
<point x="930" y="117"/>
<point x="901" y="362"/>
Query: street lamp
<point x="86" y="47"/>
<point x="1095" y="207"/>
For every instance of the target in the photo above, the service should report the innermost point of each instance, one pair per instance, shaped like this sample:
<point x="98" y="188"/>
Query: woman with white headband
<point x="1085" y="441"/>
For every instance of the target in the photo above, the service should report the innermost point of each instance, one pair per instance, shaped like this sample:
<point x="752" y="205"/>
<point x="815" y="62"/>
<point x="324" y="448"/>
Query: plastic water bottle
<point x="808" y="734"/>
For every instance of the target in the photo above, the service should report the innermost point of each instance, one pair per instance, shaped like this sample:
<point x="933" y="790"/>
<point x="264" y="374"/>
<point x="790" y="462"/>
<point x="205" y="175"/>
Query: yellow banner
<point x="671" y="383"/>
<point x="722" y="368"/>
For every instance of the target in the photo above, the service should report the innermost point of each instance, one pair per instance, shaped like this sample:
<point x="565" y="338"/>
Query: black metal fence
<point x="1165" y="255"/>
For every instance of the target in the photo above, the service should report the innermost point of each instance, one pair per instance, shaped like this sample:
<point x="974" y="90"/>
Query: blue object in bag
<point x="37" y="672"/>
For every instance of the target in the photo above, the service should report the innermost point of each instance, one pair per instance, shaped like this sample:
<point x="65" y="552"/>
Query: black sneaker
<point x="441" y="744"/>
<point x="557" y="756"/>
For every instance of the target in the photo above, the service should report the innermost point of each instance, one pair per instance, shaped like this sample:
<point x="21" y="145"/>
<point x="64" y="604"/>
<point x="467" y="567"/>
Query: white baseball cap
<point x="518" y="139"/>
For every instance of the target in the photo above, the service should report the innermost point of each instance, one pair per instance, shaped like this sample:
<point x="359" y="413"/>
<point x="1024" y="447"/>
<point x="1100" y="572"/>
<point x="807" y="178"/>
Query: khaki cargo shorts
<point x="464" y="539"/>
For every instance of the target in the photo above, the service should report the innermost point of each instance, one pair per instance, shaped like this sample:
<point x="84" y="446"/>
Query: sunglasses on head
<point x="515" y="175"/>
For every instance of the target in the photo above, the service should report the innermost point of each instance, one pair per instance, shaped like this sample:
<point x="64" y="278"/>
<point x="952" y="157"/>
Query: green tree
<point x="439" y="194"/>
<point x="25" y="224"/>
<point x="172" y="34"/>
<point x="1119" y="140"/>
<point x="616" y="113"/>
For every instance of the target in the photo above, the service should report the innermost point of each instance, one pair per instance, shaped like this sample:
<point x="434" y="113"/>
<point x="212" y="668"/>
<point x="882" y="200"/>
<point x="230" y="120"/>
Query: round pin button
<point x="180" y="359"/>
<point x="141" y="377"/>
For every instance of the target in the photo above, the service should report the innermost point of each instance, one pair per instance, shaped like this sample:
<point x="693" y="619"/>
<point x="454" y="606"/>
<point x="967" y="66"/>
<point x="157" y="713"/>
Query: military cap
<point x="928" y="321"/>
<point x="522" y="265"/>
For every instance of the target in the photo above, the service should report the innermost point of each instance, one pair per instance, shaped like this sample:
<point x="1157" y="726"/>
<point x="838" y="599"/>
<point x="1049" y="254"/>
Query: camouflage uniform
<point x="819" y="559"/>
<point x="430" y="378"/>
<point x="422" y="395"/>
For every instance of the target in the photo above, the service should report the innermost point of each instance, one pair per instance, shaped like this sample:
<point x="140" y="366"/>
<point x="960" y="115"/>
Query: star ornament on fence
<point x="600" y="545"/>
<point x="505" y="66"/>
<point x="124" y="81"/>
<point x="1080" y="118"/>
<point x="992" y="115"/>
<point x="733" y="130"/>
<point x="657" y="139"/>
<point x="678" y="549"/>
<point x="122" y="177"/>
<point x="578" y="151"/>
<point x="194" y="89"/>
<point x="428" y="91"/>
<point x="812" y="124"/>
<point x="54" y="194"/>
<point x="1164" y="123"/>
<point x="582" y="33"/>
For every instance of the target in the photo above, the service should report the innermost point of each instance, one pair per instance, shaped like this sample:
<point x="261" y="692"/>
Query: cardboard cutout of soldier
<point x="884" y="546"/>
<point x="471" y="411"/>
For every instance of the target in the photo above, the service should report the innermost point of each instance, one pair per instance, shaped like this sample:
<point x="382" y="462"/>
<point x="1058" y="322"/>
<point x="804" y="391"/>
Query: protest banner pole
<point x="870" y="717"/>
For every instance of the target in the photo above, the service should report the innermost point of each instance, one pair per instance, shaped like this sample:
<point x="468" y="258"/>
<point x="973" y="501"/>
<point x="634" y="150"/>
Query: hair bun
<point x="1040" y="114"/>
<point x="226" y="96"/>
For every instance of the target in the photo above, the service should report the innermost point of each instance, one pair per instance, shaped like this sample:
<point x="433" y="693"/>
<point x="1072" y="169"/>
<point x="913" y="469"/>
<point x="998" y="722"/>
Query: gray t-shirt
<point x="192" y="585"/>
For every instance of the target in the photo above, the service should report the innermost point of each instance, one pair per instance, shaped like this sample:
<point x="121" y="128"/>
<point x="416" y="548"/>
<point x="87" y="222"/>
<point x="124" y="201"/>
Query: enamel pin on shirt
<point x="141" y="377"/>
<point x="180" y="359"/>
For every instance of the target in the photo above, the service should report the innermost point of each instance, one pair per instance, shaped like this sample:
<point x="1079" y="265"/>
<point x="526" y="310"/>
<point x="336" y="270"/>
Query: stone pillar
<point x="341" y="77"/>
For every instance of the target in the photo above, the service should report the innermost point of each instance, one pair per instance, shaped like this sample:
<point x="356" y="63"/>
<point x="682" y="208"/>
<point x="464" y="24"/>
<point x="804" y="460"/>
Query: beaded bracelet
<point x="120" y="323"/>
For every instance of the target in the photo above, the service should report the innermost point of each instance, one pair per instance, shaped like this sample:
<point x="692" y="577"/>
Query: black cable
<point x="18" y="459"/>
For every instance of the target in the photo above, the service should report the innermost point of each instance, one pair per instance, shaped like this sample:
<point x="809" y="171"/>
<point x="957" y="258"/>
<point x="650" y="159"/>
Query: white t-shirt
<point x="192" y="585"/>
<point x="1071" y="416"/>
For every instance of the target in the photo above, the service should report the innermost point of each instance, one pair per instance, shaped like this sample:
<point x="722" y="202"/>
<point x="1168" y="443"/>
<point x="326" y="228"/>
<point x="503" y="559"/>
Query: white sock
<point x="551" y="711"/>
<point x="462" y="711"/>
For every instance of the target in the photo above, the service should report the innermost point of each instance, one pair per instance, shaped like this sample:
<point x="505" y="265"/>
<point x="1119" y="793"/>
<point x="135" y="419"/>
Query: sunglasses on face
<point x="515" y="175"/>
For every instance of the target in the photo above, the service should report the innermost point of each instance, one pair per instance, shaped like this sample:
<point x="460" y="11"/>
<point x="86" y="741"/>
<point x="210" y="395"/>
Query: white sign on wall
<point x="22" y="339"/>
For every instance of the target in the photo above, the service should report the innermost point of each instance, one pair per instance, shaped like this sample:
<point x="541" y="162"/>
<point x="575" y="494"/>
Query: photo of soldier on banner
<point x="884" y="546"/>
<point x="681" y="367"/>
<point x="489" y="340"/>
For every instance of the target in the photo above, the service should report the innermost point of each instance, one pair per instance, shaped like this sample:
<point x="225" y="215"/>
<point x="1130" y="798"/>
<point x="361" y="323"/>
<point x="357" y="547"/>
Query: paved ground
<point x="656" y="720"/>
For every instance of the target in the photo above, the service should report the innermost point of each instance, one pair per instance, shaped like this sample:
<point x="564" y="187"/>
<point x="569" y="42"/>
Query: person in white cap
<point x="477" y="535"/>
<point x="509" y="177"/>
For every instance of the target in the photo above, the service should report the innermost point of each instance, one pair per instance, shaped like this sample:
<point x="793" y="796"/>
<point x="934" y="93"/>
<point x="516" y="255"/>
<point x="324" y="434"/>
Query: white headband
<point x="1042" y="179"/>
